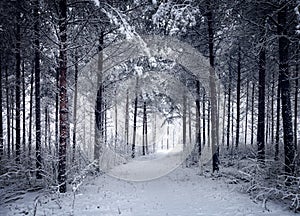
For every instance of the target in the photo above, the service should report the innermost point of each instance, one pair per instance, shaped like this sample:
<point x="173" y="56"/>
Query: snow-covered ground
<point x="179" y="192"/>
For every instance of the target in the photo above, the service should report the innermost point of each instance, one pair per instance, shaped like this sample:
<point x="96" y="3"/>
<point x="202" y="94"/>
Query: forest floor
<point x="182" y="191"/>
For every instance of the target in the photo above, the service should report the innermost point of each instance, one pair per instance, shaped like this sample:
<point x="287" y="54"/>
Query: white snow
<point x="180" y="192"/>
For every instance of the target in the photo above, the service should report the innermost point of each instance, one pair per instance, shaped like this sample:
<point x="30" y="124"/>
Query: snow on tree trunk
<point x="75" y="107"/>
<point x="198" y="130"/>
<point x="184" y="121"/>
<point x="296" y="100"/>
<point x="18" y="89"/>
<point x="213" y="93"/>
<point x="127" y="120"/>
<point x="63" y="105"/>
<point x="99" y="105"/>
<point x="24" y="107"/>
<point x="203" y="114"/>
<point x="261" y="100"/>
<point x="30" y="114"/>
<point x="238" y="100"/>
<point x="289" y="147"/>
<point x="135" y="118"/>
<point x="1" y="120"/>
<point x="8" y="114"/>
<point x="37" y="89"/>
<point x="277" y="138"/>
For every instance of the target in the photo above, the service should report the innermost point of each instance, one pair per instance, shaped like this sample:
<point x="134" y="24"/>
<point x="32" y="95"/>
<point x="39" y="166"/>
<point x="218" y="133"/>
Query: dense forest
<point x="87" y="85"/>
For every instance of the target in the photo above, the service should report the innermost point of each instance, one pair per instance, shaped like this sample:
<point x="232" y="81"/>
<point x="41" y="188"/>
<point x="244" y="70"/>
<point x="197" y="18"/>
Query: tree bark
<point x="144" y="143"/>
<point x="135" y="118"/>
<point x="229" y="109"/>
<point x="1" y="115"/>
<point x="75" y="107"/>
<point x="198" y="130"/>
<point x="154" y="134"/>
<point x="296" y="100"/>
<point x="203" y="120"/>
<point x="252" y="112"/>
<point x="208" y="123"/>
<point x="184" y="121"/>
<point x="146" y="127"/>
<point x="190" y="123"/>
<point x="18" y="89"/>
<point x="212" y="84"/>
<point x="8" y="116"/>
<point x="272" y="108"/>
<point x="23" y="108"/>
<point x="30" y="114"/>
<point x="57" y="111"/>
<point x="278" y="105"/>
<point x="238" y="100"/>
<point x="46" y="127"/>
<point x="261" y="101"/>
<point x="127" y="120"/>
<point x="12" y="109"/>
<point x="116" y="120"/>
<point x="37" y="89"/>
<point x="99" y="105"/>
<point x="223" y="122"/>
<point x="289" y="147"/>
<point x="63" y="105"/>
<point x="247" y="107"/>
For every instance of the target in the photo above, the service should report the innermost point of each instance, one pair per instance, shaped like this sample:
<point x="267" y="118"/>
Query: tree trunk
<point x="46" y="127"/>
<point x="238" y="100"/>
<point x="37" y="89"/>
<point x="24" y="107"/>
<point x="278" y="105"/>
<point x="261" y="101"/>
<point x="267" y="117"/>
<point x="232" y="124"/>
<point x="154" y="134"/>
<point x="184" y="121"/>
<point x="75" y="107"/>
<point x="1" y="115"/>
<point x="247" y="107"/>
<point x="229" y="109"/>
<point x="190" y="123"/>
<point x="104" y="122"/>
<point x="213" y="93"/>
<point x="296" y="100"/>
<point x="99" y="106"/>
<point x="12" y="107"/>
<point x="168" y="135"/>
<point x="198" y="130"/>
<point x="208" y="123"/>
<point x="272" y="109"/>
<point x="144" y="143"/>
<point x="63" y="105"/>
<point x="127" y="121"/>
<point x="18" y="90"/>
<point x="146" y="127"/>
<point x="30" y="114"/>
<point x="203" y="120"/>
<point x="135" y="118"/>
<point x="56" y="110"/>
<point x="7" y="113"/>
<point x="223" y="122"/>
<point x="252" y="112"/>
<point x="289" y="147"/>
<point x="116" y="120"/>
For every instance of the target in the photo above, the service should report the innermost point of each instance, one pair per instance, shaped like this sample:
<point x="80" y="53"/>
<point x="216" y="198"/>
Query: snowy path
<point x="150" y="166"/>
<point x="181" y="192"/>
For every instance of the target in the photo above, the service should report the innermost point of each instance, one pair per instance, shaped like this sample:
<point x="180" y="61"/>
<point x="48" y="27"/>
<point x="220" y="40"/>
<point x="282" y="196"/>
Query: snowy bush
<point x="175" y="18"/>
<point x="264" y="182"/>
